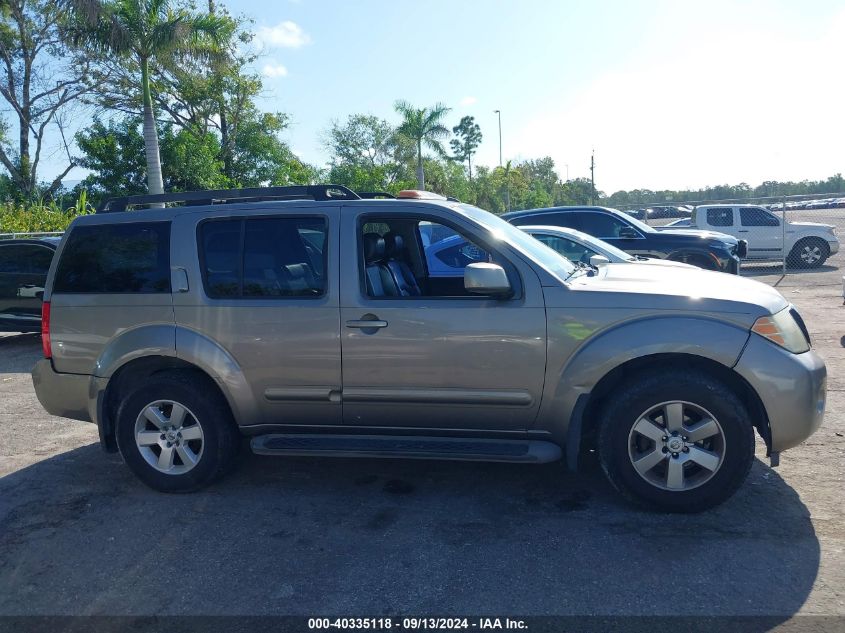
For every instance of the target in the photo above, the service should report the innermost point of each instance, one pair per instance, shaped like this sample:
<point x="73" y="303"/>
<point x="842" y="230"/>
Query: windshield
<point x="642" y="226"/>
<point x="550" y="259"/>
<point x="601" y="245"/>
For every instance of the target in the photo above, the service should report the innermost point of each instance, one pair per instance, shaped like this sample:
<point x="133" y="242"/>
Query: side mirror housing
<point x="599" y="260"/>
<point x="626" y="232"/>
<point x="487" y="279"/>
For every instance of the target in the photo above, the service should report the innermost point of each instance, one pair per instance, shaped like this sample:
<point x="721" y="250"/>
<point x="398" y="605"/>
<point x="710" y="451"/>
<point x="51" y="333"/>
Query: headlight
<point x="782" y="329"/>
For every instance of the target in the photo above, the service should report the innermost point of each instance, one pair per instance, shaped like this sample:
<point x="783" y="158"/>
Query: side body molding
<point x="588" y="360"/>
<point x="201" y="351"/>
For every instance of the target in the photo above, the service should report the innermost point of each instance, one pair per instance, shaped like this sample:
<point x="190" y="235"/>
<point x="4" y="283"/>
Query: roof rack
<point x="223" y="196"/>
<point x="369" y="195"/>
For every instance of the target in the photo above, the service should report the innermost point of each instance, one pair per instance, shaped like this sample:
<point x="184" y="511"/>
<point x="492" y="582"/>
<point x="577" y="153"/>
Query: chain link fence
<point x="785" y="234"/>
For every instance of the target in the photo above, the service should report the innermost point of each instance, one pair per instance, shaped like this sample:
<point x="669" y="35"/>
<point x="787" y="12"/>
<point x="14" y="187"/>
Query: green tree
<point x="114" y="153"/>
<point x="368" y="155"/>
<point x="140" y="33"/>
<point x="469" y="138"/>
<point x="423" y="126"/>
<point x="40" y="79"/>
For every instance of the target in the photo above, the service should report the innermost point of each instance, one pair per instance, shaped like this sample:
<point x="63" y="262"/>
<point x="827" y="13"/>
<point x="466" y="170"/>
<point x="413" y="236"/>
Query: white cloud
<point x="758" y="106"/>
<point x="285" y="34"/>
<point x="274" y="70"/>
<point x="468" y="101"/>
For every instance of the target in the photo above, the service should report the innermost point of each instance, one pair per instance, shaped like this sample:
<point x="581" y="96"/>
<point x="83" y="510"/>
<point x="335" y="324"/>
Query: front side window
<point x="757" y="217"/>
<point x="720" y="217"/>
<point x="407" y="257"/>
<point x="264" y="257"/>
<point x="116" y="259"/>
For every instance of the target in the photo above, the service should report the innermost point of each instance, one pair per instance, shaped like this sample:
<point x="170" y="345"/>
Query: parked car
<point x="676" y="224"/>
<point x="23" y="272"/>
<point x="580" y="247"/>
<point x="704" y="249"/>
<point x="806" y="244"/>
<point x="180" y="329"/>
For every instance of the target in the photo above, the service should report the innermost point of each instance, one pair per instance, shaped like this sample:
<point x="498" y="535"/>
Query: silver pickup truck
<point x="305" y="318"/>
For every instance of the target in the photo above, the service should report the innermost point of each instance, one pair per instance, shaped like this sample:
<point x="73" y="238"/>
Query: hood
<point x="815" y="225"/>
<point x="701" y="234"/>
<point x="664" y="263"/>
<point x="674" y="288"/>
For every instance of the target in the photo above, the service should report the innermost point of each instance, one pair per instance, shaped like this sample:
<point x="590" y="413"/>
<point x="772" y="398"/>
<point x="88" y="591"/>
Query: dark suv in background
<point x="23" y="272"/>
<point x="705" y="249"/>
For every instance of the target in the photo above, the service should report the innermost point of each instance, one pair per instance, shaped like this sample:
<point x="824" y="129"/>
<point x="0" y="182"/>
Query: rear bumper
<point x="791" y="386"/>
<point x="65" y="395"/>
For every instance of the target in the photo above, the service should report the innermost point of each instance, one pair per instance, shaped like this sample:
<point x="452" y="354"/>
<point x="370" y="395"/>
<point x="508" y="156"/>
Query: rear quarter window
<point x="117" y="258"/>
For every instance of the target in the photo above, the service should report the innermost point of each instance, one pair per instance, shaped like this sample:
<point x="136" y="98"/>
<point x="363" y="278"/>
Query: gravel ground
<point x="79" y="535"/>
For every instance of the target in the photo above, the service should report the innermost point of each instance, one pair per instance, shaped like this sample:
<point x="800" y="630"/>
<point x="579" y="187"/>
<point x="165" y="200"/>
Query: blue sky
<point x="669" y="94"/>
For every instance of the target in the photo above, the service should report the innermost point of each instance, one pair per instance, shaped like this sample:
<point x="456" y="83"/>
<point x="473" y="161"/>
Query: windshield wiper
<point x="581" y="267"/>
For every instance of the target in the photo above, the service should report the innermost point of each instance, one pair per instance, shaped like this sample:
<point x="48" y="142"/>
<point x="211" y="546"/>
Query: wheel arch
<point x="128" y="376"/>
<point x="591" y="404"/>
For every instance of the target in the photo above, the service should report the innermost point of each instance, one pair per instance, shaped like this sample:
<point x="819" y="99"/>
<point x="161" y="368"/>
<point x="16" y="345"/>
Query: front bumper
<point x="65" y="395"/>
<point x="791" y="386"/>
<point x="834" y="246"/>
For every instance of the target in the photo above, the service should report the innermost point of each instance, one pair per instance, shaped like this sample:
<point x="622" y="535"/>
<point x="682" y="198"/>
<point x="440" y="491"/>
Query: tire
<point x="171" y="458"/>
<point x="810" y="252"/>
<point x="632" y="428"/>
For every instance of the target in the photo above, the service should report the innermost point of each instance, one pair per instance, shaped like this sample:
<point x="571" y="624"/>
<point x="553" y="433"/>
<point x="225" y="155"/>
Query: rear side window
<point x="264" y="257"/>
<point x="116" y="258"/>
<point x="24" y="259"/>
<point x="720" y="217"/>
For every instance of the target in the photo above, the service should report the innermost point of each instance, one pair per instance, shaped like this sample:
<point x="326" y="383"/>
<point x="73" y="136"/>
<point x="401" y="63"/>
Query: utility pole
<point x="593" y="178"/>
<point x="499" y="112"/>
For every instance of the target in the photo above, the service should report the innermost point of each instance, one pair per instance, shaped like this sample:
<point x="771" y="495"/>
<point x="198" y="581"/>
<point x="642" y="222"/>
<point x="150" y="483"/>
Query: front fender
<point x="575" y="366"/>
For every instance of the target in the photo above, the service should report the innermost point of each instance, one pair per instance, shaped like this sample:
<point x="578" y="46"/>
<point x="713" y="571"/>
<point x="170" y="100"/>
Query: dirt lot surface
<point x="79" y="535"/>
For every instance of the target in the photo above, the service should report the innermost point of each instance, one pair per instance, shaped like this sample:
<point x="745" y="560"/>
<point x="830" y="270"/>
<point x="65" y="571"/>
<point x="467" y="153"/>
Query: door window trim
<point x="240" y="298"/>
<point x="510" y="269"/>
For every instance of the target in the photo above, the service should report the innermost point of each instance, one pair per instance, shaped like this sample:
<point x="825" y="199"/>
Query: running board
<point x="408" y="447"/>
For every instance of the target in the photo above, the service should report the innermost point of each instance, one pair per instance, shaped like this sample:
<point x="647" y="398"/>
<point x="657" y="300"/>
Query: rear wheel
<point x="810" y="252"/>
<point x="176" y="433"/>
<point x="678" y="441"/>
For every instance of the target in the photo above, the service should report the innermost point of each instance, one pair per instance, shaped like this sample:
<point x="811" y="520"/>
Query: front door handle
<point x="366" y="323"/>
<point x="742" y="231"/>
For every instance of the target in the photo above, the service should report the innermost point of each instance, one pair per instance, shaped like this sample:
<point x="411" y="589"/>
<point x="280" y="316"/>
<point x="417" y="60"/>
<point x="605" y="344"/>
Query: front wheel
<point x="678" y="441"/>
<point x="176" y="433"/>
<point x="808" y="253"/>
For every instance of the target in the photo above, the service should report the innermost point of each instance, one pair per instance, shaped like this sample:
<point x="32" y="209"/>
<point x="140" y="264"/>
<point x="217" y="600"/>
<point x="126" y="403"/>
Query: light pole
<point x="499" y="112"/>
<point x="567" y="171"/>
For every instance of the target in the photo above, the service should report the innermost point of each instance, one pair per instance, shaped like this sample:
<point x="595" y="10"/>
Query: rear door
<point x="262" y="284"/>
<point x="23" y="274"/>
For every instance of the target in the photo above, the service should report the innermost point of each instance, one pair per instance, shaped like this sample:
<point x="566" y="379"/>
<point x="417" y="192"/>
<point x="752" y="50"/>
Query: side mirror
<point x="599" y="260"/>
<point x="487" y="279"/>
<point x="626" y="232"/>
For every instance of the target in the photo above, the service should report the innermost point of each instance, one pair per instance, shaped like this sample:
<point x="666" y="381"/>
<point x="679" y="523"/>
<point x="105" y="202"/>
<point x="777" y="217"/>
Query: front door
<point x="435" y="356"/>
<point x="763" y="232"/>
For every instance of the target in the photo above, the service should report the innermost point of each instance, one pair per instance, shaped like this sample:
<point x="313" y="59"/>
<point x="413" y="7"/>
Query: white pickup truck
<point x="806" y="244"/>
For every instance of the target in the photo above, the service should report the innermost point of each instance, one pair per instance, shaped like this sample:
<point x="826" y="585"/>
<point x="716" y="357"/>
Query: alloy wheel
<point x="169" y="437"/>
<point x="676" y="445"/>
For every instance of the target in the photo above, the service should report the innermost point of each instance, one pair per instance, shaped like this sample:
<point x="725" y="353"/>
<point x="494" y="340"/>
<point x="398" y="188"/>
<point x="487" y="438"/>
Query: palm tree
<point x="423" y="126"/>
<point x="139" y="32"/>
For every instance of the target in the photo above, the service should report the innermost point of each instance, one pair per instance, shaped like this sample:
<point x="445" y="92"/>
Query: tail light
<point x="45" y="330"/>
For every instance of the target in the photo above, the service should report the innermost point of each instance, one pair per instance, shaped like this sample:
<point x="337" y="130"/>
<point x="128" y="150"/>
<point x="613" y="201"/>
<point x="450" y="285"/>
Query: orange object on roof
<point x="419" y="194"/>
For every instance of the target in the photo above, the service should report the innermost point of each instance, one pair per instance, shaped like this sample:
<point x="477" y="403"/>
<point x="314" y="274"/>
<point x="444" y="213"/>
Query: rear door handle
<point x="366" y="323"/>
<point x="742" y="231"/>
